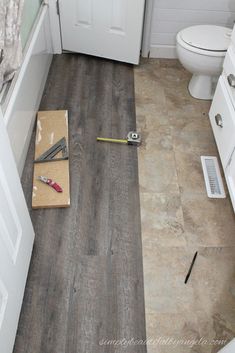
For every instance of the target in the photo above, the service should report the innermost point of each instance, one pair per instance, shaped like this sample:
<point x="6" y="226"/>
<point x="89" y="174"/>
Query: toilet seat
<point x="205" y="39"/>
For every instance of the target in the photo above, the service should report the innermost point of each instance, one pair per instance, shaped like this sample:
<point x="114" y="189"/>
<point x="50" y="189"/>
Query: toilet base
<point x="203" y="87"/>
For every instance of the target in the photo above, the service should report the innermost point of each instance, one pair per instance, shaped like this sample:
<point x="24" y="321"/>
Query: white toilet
<point x="201" y="50"/>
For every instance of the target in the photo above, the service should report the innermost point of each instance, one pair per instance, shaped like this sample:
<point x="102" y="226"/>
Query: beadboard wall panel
<point x="170" y="16"/>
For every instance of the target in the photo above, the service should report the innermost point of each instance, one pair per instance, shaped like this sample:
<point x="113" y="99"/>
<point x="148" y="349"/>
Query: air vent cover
<point x="212" y="176"/>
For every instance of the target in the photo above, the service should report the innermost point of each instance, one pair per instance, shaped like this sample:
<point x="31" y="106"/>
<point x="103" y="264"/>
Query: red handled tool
<point x="51" y="183"/>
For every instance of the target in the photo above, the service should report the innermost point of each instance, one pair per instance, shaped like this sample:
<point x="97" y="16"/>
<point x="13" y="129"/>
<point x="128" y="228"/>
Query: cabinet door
<point x="233" y="36"/>
<point x="223" y="122"/>
<point x="229" y="73"/>
<point x="230" y="178"/>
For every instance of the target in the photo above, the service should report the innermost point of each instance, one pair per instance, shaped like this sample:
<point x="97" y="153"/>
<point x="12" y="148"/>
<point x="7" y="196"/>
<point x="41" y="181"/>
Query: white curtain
<point x="10" y="44"/>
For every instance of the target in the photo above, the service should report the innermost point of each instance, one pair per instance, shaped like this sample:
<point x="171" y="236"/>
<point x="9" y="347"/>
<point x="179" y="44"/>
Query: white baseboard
<point x="24" y="96"/>
<point x="163" y="51"/>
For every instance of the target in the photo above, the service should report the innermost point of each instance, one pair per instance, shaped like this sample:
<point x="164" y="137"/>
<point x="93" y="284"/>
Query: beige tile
<point x="162" y="220"/>
<point x="172" y="63"/>
<point x="157" y="171"/>
<point x="147" y="109"/>
<point x="179" y="119"/>
<point x="187" y="332"/>
<point x="216" y="330"/>
<point x="215" y="290"/>
<point x="179" y="101"/>
<point x="189" y="169"/>
<point x="141" y="122"/>
<point x="165" y="269"/>
<point x="208" y="222"/>
<point x="172" y="78"/>
<point x="156" y="160"/>
<point x="154" y="117"/>
<point x="148" y="91"/>
<point x="176" y="333"/>
<point x="195" y="109"/>
<point x="193" y="135"/>
<point x="147" y="64"/>
<point x="158" y="120"/>
<point x="178" y="218"/>
<point x="202" y="105"/>
<point x="154" y="140"/>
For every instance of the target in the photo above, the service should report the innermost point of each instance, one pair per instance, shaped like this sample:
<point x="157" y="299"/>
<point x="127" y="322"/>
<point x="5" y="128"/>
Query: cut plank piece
<point x="51" y="127"/>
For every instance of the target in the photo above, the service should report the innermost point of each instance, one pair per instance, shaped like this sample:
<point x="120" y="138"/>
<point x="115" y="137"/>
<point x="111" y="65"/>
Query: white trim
<point x="55" y="27"/>
<point x="3" y="302"/>
<point x="163" y="51"/>
<point x="16" y="82"/>
<point x="149" y="5"/>
<point x="25" y="92"/>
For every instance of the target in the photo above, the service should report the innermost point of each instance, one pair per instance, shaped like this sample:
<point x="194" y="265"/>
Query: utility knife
<point x="51" y="183"/>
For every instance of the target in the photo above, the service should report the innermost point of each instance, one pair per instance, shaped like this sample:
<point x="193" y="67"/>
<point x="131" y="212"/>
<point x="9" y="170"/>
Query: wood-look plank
<point x="85" y="281"/>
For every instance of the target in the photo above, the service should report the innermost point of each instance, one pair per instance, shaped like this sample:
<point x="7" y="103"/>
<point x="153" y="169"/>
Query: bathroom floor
<point x="178" y="219"/>
<point x="85" y="282"/>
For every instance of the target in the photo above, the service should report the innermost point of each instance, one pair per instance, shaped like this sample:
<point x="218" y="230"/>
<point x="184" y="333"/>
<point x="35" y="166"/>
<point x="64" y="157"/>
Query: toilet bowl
<point x="201" y="50"/>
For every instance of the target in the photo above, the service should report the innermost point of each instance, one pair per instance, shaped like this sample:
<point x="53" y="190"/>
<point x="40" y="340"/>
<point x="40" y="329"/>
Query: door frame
<point x="54" y="15"/>
<point x="147" y="28"/>
<point x="56" y="28"/>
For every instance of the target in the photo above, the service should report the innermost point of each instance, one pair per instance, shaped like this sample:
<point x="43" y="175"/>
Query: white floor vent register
<point x="212" y="176"/>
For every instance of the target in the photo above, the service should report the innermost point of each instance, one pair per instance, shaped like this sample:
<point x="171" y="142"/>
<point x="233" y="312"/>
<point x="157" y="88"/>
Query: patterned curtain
<point x="10" y="44"/>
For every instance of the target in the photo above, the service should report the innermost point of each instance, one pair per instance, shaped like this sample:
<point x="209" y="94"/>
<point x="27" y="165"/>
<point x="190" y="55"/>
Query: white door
<point x="107" y="28"/>
<point x="16" y="241"/>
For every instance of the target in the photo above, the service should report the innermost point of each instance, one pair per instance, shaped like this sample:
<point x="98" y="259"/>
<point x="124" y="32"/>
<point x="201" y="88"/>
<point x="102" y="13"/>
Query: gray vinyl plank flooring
<point x="85" y="282"/>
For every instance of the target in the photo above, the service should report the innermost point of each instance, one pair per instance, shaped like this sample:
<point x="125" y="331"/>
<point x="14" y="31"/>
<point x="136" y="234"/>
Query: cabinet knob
<point x="219" y="120"/>
<point x="231" y="80"/>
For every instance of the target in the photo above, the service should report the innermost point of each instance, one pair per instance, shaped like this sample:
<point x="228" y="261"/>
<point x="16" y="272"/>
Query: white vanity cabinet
<point x="222" y="118"/>
<point x="233" y="37"/>
<point x="230" y="178"/>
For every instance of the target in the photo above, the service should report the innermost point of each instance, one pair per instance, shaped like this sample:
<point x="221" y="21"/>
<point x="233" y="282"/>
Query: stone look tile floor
<point x="178" y="218"/>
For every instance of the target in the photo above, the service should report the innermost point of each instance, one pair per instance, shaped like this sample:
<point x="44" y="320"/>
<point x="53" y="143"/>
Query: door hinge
<point x="58" y="7"/>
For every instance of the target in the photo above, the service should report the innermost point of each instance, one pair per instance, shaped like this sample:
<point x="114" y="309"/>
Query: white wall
<point x="170" y="16"/>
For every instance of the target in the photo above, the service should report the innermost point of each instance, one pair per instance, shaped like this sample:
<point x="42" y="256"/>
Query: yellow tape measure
<point x="103" y="139"/>
<point x="133" y="138"/>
